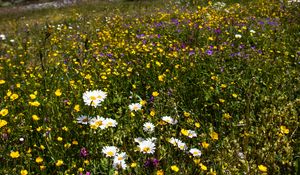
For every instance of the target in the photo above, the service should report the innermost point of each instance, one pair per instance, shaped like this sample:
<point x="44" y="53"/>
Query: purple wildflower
<point x="84" y="152"/>
<point x="209" y="52"/>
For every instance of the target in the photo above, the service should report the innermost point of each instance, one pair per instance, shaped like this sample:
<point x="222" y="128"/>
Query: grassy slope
<point x="255" y="89"/>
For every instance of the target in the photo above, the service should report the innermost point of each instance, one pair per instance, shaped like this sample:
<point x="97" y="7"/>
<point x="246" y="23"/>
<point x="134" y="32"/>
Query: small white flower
<point x="195" y="152"/>
<point x="252" y="31"/>
<point x="191" y="134"/>
<point x="169" y="120"/>
<point x="147" y="147"/>
<point x="94" y="98"/>
<point x="2" y="37"/>
<point x="108" y="122"/>
<point x="110" y="151"/>
<point x="173" y="141"/>
<point x="21" y="139"/>
<point x="148" y="127"/>
<point x="119" y="160"/>
<point x="182" y="146"/>
<point x="238" y="36"/>
<point x="135" y="106"/>
<point x="83" y="120"/>
<point x="176" y="142"/>
<point x="12" y="40"/>
<point x="241" y="155"/>
<point x="98" y="122"/>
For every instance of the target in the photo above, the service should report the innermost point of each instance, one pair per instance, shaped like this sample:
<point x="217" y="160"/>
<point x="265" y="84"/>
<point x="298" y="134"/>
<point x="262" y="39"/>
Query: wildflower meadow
<point x="151" y="88"/>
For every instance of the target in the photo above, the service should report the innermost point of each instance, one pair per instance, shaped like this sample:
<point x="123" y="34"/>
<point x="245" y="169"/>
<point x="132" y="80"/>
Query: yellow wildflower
<point x="2" y="81"/>
<point x="42" y="147"/>
<point x="24" y="172"/>
<point x="39" y="160"/>
<point x="155" y="94"/>
<point x="14" y="154"/>
<point x="152" y="113"/>
<point x="205" y="145"/>
<point x="234" y="95"/>
<point x="8" y="93"/>
<point x="143" y="102"/>
<point x="262" y="168"/>
<point x="214" y="135"/>
<point x="223" y="86"/>
<point x="59" y="139"/>
<point x="77" y="108"/>
<point x="32" y="96"/>
<point x="14" y="97"/>
<point x="221" y="100"/>
<point x="4" y="112"/>
<point x="133" y="165"/>
<point x="214" y="77"/>
<point x="203" y="167"/>
<point x="186" y="114"/>
<point x="3" y="123"/>
<point x="161" y="77"/>
<point x="80" y="169"/>
<point x="175" y="168"/>
<point x="35" y="103"/>
<point x="284" y="130"/>
<point x="35" y="118"/>
<point x="184" y="132"/>
<point x="226" y="116"/>
<point x="160" y="172"/>
<point x="58" y="92"/>
<point x="59" y="163"/>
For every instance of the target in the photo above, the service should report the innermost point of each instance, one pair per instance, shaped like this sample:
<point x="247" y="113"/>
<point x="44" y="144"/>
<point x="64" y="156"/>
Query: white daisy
<point x="173" y="141"/>
<point x="94" y="98"/>
<point x="147" y="147"/>
<point x="176" y="142"/>
<point x="110" y="151"/>
<point x="191" y="134"/>
<point x="148" y="127"/>
<point x="108" y="122"/>
<point x="182" y="146"/>
<point x="98" y="122"/>
<point x="196" y="152"/>
<point x="135" y="106"/>
<point x="83" y="120"/>
<point x="119" y="160"/>
<point x="101" y="95"/>
<point x="169" y="120"/>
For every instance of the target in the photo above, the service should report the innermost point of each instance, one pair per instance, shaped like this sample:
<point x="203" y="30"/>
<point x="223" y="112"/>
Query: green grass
<point x="230" y="75"/>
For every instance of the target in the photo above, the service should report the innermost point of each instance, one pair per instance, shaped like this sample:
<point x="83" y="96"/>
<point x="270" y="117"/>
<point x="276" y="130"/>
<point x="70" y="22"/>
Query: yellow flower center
<point x="93" y="98"/>
<point x="146" y="149"/>
<point x="110" y="153"/>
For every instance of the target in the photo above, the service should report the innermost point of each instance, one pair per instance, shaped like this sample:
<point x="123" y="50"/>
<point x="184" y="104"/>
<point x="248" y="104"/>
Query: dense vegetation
<point x="175" y="87"/>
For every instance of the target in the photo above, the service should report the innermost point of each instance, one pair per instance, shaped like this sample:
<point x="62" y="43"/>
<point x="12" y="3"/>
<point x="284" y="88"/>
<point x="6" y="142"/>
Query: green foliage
<point x="228" y="74"/>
